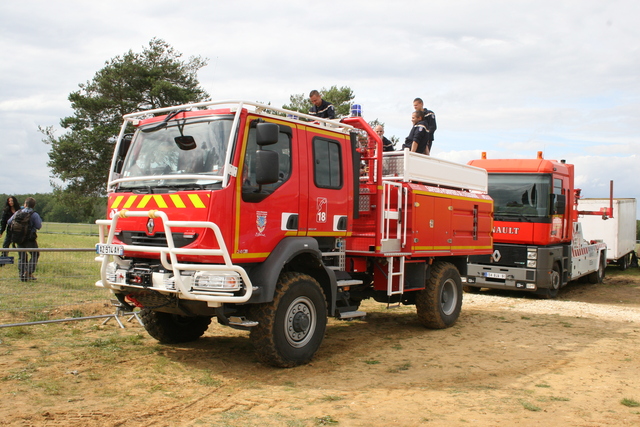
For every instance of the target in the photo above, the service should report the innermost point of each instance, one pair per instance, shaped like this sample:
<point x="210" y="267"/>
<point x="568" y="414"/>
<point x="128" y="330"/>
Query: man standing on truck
<point x="429" y="119"/>
<point x="321" y="108"/>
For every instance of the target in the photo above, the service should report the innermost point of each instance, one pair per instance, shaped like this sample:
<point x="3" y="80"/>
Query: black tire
<point x="555" y="282"/>
<point x="439" y="304"/>
<point x="171" y="328"/>
<point x="598" y="275"/>
<point x="291" y="327"/>
<point x="624" y="262"/>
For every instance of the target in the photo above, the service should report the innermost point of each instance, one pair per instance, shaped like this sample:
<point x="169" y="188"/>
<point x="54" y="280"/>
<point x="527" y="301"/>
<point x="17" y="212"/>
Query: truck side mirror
<point x="123" y="149"/>
<point x="267" y="133"/>
<point x="267" y="167"/>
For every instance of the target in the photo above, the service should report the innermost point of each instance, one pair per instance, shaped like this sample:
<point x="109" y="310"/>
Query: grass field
<point x="65" y="285"/>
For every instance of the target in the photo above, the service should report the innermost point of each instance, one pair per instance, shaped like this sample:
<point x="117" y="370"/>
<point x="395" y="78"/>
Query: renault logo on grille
<point x="496" y="256"/>
<point x="150" y="226"/>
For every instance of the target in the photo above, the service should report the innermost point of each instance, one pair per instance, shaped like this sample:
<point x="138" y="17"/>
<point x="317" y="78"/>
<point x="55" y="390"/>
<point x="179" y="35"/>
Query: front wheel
<point x="555" y="282"/>
<point x="439" y="304"/>
<point x="172" y="328"/>
<point x="291" y="327"/>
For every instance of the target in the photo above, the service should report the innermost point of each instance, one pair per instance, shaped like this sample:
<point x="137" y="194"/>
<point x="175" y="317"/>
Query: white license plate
<point x="104" y="249"/>
<point x="495" y="275"/>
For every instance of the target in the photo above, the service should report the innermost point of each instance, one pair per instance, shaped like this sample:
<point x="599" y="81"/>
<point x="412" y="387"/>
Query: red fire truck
<point x="538" y="241"/>
<point x="272" y="220"/>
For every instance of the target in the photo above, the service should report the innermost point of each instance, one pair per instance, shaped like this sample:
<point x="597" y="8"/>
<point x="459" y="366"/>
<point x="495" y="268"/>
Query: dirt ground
<point x="509" y="360"/>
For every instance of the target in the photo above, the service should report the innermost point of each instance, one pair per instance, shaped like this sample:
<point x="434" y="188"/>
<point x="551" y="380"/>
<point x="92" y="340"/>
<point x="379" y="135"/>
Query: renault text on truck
<point x="272" y="220"/>
<point x="538" y="241"/>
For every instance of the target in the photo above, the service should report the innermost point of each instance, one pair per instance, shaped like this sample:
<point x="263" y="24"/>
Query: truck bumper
<point x="497" y="277"/>
<point x="214" y="284"/>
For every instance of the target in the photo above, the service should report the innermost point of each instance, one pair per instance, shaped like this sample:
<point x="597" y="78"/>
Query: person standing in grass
<point x="11" y="206"/>
<point x="26" y="237"/>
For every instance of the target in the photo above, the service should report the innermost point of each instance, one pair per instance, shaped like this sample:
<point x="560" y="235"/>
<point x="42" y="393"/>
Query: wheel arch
<point x="300" y="254"/>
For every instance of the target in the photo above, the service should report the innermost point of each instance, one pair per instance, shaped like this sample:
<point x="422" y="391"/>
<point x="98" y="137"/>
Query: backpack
<point x="21" y="226"/>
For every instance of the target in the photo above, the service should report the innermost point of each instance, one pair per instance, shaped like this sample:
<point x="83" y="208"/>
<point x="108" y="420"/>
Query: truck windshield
<point x="523" y="196"/>
<point x="162" y="160"/>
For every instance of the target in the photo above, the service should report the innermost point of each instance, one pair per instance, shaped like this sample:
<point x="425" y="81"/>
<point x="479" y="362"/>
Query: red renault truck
<point x="538" y="242"/>
<point x="271" y="220"/>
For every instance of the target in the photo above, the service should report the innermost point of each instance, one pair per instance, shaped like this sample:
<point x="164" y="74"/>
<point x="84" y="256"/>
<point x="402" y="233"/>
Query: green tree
<point x="340" y="98"/>
<point x="153" y="78"/>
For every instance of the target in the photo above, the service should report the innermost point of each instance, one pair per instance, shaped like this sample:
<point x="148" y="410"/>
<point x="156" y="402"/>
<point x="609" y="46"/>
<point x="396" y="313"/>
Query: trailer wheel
<point x="555" y="282"/>
<point x="624" y="262"/>
<point x="598" y="275"/>
<point x="171" y="328"/>
<point x="439" y="304"/>
<point x="291" y="327"/>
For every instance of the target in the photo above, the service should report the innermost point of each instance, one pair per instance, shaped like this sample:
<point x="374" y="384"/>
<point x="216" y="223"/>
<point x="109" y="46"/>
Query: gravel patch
<point x="565" y="308"/>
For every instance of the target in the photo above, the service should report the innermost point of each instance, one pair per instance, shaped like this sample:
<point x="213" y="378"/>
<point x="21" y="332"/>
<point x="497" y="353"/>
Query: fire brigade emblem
<point x="261" y="222"/>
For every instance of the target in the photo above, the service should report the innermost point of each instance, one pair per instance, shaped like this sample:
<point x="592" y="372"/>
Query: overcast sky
<point x="507" y="77"/>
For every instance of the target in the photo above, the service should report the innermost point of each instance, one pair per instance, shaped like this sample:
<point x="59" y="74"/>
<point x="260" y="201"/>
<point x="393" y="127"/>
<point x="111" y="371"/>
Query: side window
<point x="251" y="191"/>
<point x="327" y="163"/>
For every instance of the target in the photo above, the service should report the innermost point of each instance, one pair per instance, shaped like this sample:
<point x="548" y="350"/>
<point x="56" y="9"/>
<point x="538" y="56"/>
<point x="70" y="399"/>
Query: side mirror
<point x="123" y="149"/>
<point x="267" y="167"/>
<point x="267" y="133"/>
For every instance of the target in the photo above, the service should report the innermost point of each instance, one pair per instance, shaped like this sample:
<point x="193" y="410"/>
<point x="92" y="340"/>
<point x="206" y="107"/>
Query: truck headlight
<point x="532" y="263"/>
<point x="215" y="281"/>
<point x="532" y="253"/>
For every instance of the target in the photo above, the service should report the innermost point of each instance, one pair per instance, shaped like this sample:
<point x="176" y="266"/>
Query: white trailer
<point x="619" y="232"/>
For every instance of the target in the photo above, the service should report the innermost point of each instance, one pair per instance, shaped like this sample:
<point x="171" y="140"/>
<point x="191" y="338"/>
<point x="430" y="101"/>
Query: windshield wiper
<point x="142" y="189"/>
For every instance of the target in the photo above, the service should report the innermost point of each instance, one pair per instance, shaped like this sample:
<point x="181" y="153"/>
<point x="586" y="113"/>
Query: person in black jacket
<point x="320" y="107"/>
<point x="429" y="119"/>
<point x="386" y="144"/>
<point x="11" y="206"/>
<point x="418" y="139"/>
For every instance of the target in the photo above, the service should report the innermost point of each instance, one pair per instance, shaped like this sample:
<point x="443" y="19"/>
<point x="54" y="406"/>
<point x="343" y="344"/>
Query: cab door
<point x="265" y="214"/>
<point x="330" y="187"/>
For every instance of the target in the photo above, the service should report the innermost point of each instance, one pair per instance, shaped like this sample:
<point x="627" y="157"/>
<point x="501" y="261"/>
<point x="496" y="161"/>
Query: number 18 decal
<point x="321" y="204"/>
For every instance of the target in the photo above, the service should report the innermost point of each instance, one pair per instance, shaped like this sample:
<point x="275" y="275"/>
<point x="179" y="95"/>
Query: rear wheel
<point x="171" y="328"/>
<point x="439" y="304"/>
<point x="598" y="275"/>
<point x="624" y="262"/>
<point x="291" y="327"/>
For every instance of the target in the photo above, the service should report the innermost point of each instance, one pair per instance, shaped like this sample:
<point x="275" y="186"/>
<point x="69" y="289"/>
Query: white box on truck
<point x="619" y="232"/>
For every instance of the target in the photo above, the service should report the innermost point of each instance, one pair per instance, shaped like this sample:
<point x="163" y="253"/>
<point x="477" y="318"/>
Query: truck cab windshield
<point x="159" y="159"/>
<point x="520" y="197"/>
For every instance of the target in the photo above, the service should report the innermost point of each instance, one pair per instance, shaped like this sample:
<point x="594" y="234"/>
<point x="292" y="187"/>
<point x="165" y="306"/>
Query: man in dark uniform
<point x="320" y="107"/>
<point x="418" y="139"/>
<point x="386" y="144"/>
<point x="429" y="119"/>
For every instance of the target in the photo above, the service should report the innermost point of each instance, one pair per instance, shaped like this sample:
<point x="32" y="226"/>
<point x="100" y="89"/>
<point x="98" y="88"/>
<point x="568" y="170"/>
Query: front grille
<point x="137" y="238"/>
<point x="510" y="256"/>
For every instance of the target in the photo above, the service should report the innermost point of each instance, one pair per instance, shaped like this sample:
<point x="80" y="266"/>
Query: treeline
<point x="52" y="207"/>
